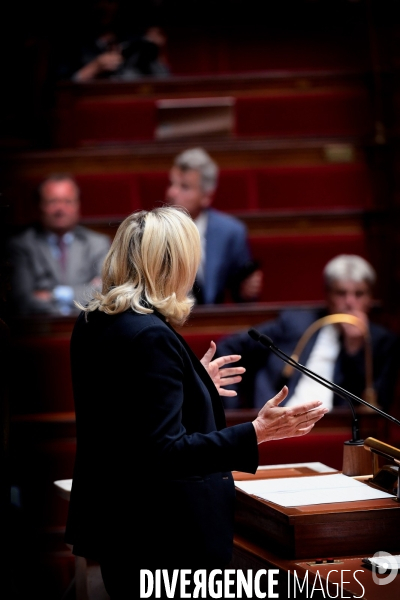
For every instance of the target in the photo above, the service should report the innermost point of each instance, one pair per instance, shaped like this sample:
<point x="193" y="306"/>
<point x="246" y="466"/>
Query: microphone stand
<point x="350" y="465"/>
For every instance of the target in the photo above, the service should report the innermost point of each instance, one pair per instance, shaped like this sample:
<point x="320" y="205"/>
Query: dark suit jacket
<point x="263" y="377"/>
<point x="227" y="257"/>
<point x="35" y="268"/>
<point x="154" y="458"/>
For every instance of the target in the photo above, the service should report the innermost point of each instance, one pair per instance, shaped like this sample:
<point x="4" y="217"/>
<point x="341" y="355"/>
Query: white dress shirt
<point x="201" y="224"/>
<point x="322" y="361"/>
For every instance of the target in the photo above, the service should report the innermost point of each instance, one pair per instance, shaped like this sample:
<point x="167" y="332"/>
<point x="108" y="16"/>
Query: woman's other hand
<point x="222" y="377"/>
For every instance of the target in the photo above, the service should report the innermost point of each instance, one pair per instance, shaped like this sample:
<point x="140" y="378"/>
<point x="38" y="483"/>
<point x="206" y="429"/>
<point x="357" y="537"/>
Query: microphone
<point x="341" y="392"/>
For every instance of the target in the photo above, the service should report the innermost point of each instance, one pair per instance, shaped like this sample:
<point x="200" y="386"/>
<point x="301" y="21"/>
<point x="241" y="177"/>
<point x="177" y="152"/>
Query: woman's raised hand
<point x="222" y="377"/>
<point x="275" y="422"/>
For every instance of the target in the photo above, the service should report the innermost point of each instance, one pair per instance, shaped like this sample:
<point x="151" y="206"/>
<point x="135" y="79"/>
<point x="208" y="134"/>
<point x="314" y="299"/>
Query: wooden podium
<point x="329" y="538"/>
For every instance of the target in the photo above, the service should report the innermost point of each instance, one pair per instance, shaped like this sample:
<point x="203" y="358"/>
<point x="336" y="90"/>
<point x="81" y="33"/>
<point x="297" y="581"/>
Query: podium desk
<point x="333" y="575"/>
<point x="317" y="546"/>
<point x="334" y="580"/>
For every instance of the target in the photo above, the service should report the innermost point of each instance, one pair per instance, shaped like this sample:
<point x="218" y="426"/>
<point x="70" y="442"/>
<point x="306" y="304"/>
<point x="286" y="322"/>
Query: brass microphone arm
<point x="370" y="394"/>
<point x="383" y="449"/>
<point x="384" y="478"/>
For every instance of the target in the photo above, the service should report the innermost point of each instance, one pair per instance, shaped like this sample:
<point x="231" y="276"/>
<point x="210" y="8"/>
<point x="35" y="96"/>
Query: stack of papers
<point x="303" y="491"/>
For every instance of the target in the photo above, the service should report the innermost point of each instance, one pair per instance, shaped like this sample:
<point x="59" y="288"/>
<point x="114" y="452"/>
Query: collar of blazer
<point x="218" y="408"/>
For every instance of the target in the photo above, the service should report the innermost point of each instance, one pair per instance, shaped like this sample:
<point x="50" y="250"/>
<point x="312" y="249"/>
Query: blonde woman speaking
<point x="152" y="485"/>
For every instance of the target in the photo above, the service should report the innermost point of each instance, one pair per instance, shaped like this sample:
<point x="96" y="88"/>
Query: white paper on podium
<point x="303" y="491"/>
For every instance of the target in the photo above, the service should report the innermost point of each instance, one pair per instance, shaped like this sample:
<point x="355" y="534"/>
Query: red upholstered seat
<point x="303" y="187"/>
<point x="339" y="112"/>
<point x="275" y="188"/>
<point x="236" y="190"/>
<point x="106" y="194"/>
<point x="152" y="186"/>
<point x="200" y="342"/>
<point x="110" y="120"/>
<point x="292" y="264"/>
<point x="321" y="447"/>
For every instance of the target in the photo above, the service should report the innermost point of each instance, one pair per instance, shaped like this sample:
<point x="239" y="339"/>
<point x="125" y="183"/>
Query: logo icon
<point x="384" y="564"/>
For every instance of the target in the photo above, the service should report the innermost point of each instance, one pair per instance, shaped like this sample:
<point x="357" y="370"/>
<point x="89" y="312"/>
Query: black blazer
<point x="154" y="457"/>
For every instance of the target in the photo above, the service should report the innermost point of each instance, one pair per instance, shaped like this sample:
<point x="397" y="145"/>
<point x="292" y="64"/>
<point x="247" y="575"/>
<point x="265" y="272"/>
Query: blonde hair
<point x="152" y="264"/>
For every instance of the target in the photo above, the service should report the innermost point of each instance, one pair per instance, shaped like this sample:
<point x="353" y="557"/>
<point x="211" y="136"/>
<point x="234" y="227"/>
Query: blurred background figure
<point x="337" y="352"/>
<point x="58" y="260"/>
<point x="116" y="48"/>
<point x="226" y="267"/>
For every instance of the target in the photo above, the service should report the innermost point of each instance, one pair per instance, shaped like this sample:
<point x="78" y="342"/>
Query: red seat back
<point x="313" y="447"/>
<point x="292" y="264"/>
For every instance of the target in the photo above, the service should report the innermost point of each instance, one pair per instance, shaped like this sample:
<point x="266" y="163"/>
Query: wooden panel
<point x="212" y="317"/>
<point x="339" y="580"/>
<point x="198" y="85"/>
<point x="343" y="528"/>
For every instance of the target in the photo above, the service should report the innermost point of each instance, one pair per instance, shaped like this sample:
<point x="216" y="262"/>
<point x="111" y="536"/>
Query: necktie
<point x="63" y="256"/>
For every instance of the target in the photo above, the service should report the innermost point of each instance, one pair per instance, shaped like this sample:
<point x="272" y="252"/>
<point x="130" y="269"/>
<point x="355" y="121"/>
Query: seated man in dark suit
<point x="226" y="270"/>
<point x="58" y="261"/>
<point x="336" y="351"/>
